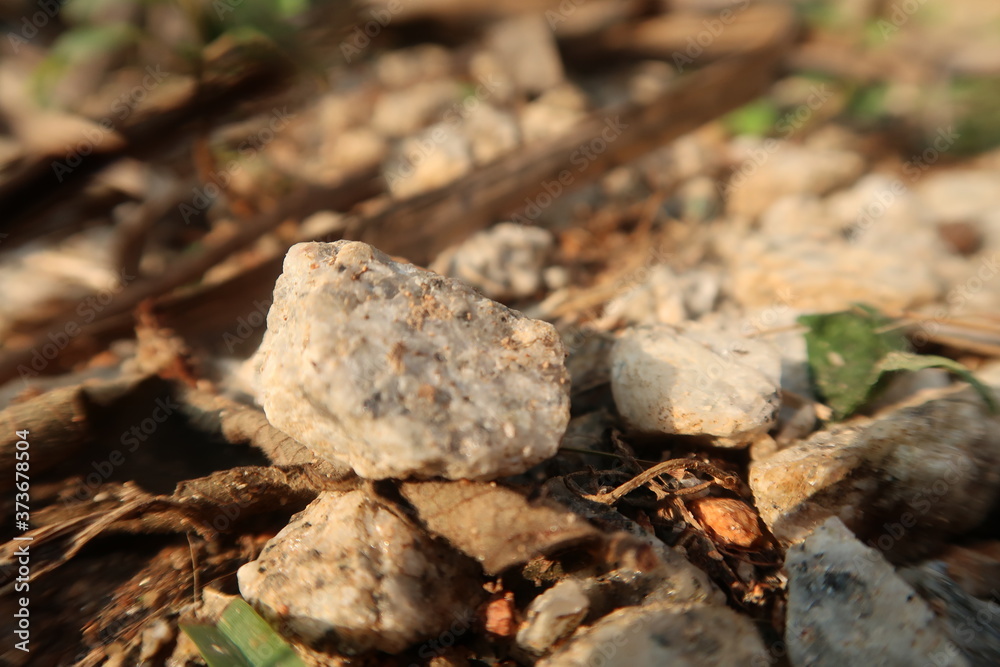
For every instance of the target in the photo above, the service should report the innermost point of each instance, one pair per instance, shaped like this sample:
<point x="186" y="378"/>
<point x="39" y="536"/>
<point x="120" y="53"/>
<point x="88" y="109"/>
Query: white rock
<point x="402" y="67"/>
<point x="959" y="195"/>
<point x="399" y="372"/>
<point x="697" y="384"/>
<point x="847" y="606"/>
<point x="504" y="261"/>
<point x="491" y="132"/>
<point x="353" y="568"/>
<point x="664" y="634"/>
<point x="553" y="615"/>
<point x="553" y="114"/>
<point x="352" y="149"/>
<point x="800" y="257"/>
<point x="431" y="159"/>
<point x="398" y="113"/>
<point x="904" y="481"/>
<point x="768" y="169"/>
<point x="659" y="299"/>
<point x="527" y="48"/>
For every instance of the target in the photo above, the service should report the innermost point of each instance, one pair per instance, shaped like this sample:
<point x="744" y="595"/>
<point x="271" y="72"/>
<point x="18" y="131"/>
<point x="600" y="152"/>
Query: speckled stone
<point x="847" y="606"/>
<point x="697" y="383"/>
<point x="664" y="634"/>
<point x="400" y="372"/>
<point x="352" y="572"/>
<point x="905" y="481"/>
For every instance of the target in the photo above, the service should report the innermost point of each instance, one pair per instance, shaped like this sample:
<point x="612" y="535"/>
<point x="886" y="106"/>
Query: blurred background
<point x="165" y="154"/>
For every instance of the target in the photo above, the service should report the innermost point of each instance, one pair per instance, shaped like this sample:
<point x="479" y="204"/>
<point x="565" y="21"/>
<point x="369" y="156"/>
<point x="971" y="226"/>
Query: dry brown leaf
<point x="728" y="520"/>
<point x="501" y="528"/>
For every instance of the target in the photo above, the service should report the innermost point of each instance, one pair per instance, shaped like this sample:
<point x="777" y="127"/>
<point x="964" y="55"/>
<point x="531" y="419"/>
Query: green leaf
<point x="905" y="361"/>
<point x="843" y="349"/>
<point x="88" y="41"/>
<point x="241" y="638"/>
<point x="850" y="354"/>
<point x="214" y="645"/>
<point x="757" y="118"/>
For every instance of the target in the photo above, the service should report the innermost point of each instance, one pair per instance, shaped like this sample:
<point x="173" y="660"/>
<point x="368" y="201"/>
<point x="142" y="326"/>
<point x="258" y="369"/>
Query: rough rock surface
<point x="847" y="606"/>
<point x="352" y="570"/>
<point x="662" y="634"/>
<point x="402" y="373"/>
<point x="696" y="384"/>
<point x="922" y="472"/>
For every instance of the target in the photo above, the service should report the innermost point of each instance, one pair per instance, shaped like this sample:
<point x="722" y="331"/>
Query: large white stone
<point x="695" y="384"/>
<point x="402" y="373"/>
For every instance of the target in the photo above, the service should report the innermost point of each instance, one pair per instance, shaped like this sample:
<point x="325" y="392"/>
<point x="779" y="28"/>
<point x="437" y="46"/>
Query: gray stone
<point x="354" y="571"/>
<point x="911" y="478"/>
<point x="664" y="634"/>
<point x="698" y="383"/>
<point x="847" y="606"/>
<point x="399" y="372"/>
<point x="973" y="624"/>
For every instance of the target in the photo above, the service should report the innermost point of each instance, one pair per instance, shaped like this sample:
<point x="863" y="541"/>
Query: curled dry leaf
<point x="730" y="521"/>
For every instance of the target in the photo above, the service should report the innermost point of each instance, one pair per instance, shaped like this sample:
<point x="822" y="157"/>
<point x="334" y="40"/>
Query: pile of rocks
<point x="405" y="374"/>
